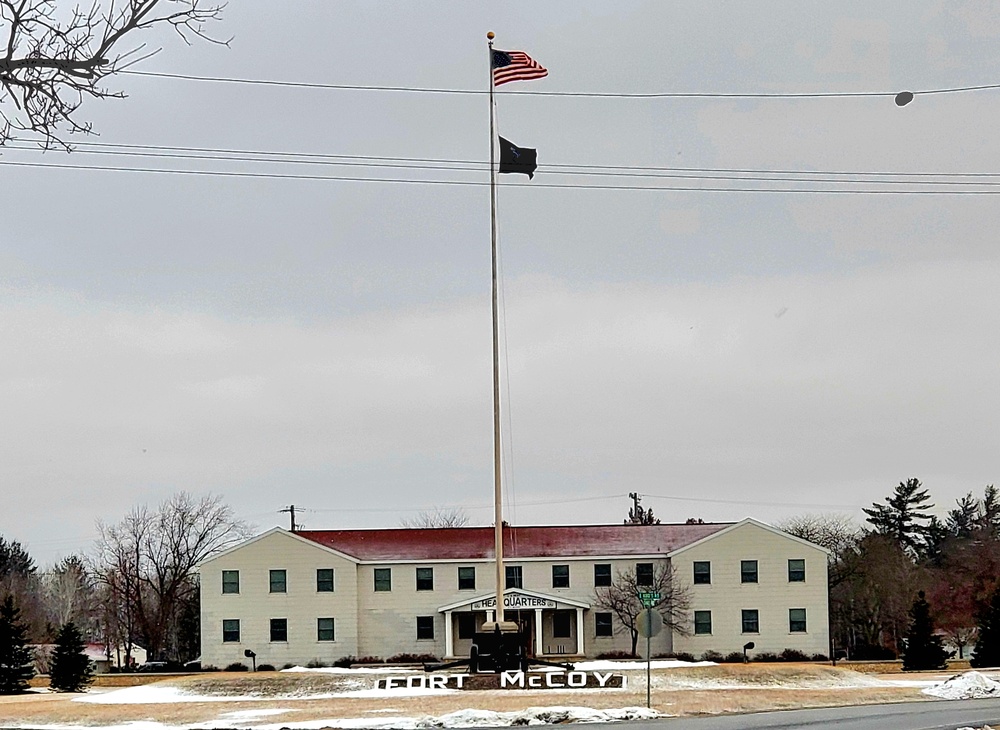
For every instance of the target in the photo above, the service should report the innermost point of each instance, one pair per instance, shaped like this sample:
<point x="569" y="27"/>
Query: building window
<point x="324" y="580"/>
<point x="797" y="620"/>
<point x="324" y="629"/>
<point x="702" y="572"/>
<point x="602" y="574"/>
<point x="467" y="579"/>
<point x="560" y="576"/>
<point x="383" y="579"/>
<point x="751" y="621"/>
<point x="796" y="571"/>
<point x="425" y="579"/>
<point x="279" y="629"/>
<point x="702" y="622"/>
<point x="602" y="624"/>
<point x="514" y="578"/>
<point x="561" y="624"/>
<point x="644" y="574"/>
<point x="230" y="629"/>
<point x="425" y="627"/>
<point x="466" y="625"/>
<point x="230" y="581"/>
<point x="748" y="571"/>
<point x="278" y="581"/>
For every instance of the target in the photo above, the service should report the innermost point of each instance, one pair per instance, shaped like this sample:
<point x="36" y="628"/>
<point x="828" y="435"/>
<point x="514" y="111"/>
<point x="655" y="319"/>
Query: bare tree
<point x="438" y="517"/>
<point x="148" y="561"/>
<point x="836" y="532"/>
<point x="70" y="596"/>
<point x="53" y="58"/>
<point x="621" y="598"/>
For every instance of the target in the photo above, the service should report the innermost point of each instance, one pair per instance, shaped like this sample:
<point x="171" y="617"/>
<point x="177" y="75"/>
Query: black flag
<point x="517" y="159"/>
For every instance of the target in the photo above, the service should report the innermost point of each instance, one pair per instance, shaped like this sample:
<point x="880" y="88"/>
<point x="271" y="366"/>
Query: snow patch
<point x="966" y="686"/>
<point x="459" y="719"/>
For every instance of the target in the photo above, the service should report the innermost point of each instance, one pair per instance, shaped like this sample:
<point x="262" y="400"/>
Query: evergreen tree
<point x="70" y="668"/>
<point x="16" y="657"/>
<point x="904" y="517"/>
<point x="962" y="520"/>
<point x="987" y="651"/>
<point x="924" y="649"/>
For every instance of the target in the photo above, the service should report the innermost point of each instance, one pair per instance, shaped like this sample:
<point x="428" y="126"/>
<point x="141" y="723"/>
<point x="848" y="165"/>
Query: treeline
<point x="905" y="562"/>
<point x="137" y="587"/>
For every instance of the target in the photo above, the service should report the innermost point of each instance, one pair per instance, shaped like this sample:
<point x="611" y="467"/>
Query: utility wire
<point x="534" y="185"/>
<point x="225" y="154"/>
<point x="579" y="94"/>
<point x="564" y="170"/>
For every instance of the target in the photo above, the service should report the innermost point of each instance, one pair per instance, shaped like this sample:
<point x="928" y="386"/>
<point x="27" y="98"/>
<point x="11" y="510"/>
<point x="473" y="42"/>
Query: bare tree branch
<point x="49" y="66"/>
<point x="622" y="598"/>
<point x="438" y="517"/>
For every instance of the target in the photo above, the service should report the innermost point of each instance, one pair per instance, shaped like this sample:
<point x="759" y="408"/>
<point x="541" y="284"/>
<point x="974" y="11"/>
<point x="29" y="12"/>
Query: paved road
<point x="939" y="715"/>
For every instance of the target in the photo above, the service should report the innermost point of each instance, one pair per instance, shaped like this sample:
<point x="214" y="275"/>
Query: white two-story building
<point x="320" y="595"/>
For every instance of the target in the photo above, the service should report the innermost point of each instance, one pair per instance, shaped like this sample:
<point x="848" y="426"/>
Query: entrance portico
<point x="545" y="618"/>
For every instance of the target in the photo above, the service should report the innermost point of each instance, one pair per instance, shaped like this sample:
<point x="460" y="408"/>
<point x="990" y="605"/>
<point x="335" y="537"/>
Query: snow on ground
<point x="966" y="686"/>
<point x="152" y="694"/>
<point x="354" y="670"/>
<point x="459" y="719"/>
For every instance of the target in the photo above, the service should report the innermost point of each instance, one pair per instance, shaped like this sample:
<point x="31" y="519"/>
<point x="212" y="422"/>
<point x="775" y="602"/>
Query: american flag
<point x="515" y="66"/>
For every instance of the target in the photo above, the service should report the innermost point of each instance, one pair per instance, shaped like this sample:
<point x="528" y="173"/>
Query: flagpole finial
<point x="491" y="35"/>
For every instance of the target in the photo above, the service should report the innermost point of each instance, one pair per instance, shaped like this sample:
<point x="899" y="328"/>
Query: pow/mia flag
<point x="517" y="159"/>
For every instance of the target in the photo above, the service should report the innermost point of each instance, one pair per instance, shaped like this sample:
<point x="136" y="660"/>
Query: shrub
<point x="616" y="654"/>
<point x="237" y="667"/>
<point x="411" y="658"/>
<point x="712" y="656"/>
<point x="733" y="657"/>
<point x="287" y="665"/>
<point x="317" y="664"/>
<point x="346" y="661"/>
<point x="681" y="656"/>
<point x="793" y="655"/>
<point x="767" y="656"/>
<point x="209" y="668"/>
<point x="819" y="658"/>
<point x="265" y="667"/>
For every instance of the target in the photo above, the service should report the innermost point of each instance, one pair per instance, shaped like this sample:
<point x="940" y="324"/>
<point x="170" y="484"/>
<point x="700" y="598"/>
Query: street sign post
<point x="649" y="623"/>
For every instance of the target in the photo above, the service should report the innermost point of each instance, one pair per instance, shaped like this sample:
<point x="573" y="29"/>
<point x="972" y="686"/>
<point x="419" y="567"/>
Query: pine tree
<point x="904" y="517"/>
<point x="16" y="657"/>
<point x="924" y="650"/>
<point x="70" y="669"/>
<point x="987" y="651"/>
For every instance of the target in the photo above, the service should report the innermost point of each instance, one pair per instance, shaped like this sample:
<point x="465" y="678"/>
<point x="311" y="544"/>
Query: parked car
<point x="153" y="667"/>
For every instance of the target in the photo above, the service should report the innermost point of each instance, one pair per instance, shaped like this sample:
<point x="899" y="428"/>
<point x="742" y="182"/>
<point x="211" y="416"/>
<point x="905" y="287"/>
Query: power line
<point x="979" y="179"/>
<point x="577" y="94"/>
<point x="753" y="503"/>
<point x="484" y="164"/>
<point x="535" y="185"/>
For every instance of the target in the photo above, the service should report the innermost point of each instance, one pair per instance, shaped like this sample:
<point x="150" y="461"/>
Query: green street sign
<point x="649" y="599"/>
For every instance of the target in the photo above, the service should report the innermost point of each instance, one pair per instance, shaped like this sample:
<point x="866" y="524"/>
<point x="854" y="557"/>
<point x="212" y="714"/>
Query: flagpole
<point x="497" y="482"/>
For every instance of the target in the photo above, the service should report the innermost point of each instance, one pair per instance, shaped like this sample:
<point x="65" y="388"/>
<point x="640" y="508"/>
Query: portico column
<point x="489" y="617"/>
<point x="579" y="631"/>
<point x="449" y="644"/>
<point x="538" y="631"/>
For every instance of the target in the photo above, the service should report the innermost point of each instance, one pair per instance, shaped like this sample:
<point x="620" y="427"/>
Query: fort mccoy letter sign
<point x="507" y="680"/>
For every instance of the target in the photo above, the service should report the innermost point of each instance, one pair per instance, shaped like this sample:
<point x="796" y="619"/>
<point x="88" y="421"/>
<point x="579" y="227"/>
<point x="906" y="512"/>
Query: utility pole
<point x="290" y="509"/>
<point x="634" y="496"/>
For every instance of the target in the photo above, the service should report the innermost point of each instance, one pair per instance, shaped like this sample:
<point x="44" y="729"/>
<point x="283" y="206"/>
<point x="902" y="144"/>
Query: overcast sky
<point x="327" y="343"/>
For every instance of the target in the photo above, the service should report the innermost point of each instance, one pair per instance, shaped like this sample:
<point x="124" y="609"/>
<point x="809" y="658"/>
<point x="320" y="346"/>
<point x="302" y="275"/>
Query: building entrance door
<point x="526" y="624"/>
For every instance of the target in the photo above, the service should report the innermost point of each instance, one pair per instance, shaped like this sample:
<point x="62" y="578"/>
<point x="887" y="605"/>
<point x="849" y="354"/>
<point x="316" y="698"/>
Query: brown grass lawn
<point x="745" y="688"/>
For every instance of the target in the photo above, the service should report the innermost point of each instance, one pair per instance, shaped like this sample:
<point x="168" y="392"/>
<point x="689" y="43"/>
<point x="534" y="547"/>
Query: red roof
<point x="470" y="543"/>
